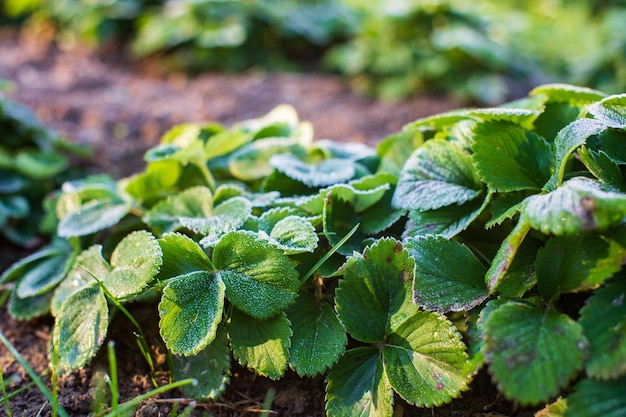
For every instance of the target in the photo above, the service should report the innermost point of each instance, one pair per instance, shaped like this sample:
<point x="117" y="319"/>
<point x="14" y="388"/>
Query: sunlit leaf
<point x="181" y="255"/>
<point x="93" y="216"/>
<point x="193" y="202"/>
<point x="326" y="172"/>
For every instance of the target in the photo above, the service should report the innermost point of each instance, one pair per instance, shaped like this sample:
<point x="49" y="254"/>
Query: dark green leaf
<point x="326" y="172"/>
<point x="181" y="255"/>
<point x="448" y="277"/>
<point x="438" y="174"/>
<point x="445" y="221"/>
<point x="252" y="161"/>
<point x="318" y="338"/>
<point x="193" y="202"/>
<point x="532" y="352"/>
<point x="425" y="360"/>
<point x="210" y="367"/>
<point x="190" y="310"/>
<point x="504" y="207"/>
<point x="42" y="275"/>
<point x="373" y="290"/>
<point x="593" y="398"/>
<point x="394" y="150"/>
<point x="260" y="280"/>
<point x="603" y="168"/>
<point x="603" y="319"/>
<point x="505" y="256"/>
<point x="261" y="344"/>
<point x="30" y="307"/>
<point x="357" y="386"/>
<point x="338" y="219"/>
<point x="40" y="165"/>
<point x="80" y="327"/>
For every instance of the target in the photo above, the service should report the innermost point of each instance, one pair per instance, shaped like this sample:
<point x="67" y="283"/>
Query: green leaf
<point x="30" y="307"/>
<point x="567" y="141"/>
<point x="381" y="216"/>
<point x="375" y="286"/>
<point x="181" y="255"/>
<point x="228" y="216"/>
<point x="338" y="219"/>
<point x="611" y="111"/>
<point x="578" y="205"/>
<point x="293" y="234"/>
<point x="593" y="398"/>
<point x="158" y="179"/>
<point x="610" y="141"/>
<point x="574" y="263"/>
<point x="92" y="217"/>
<point x="362" y="193"/>
<point x="603" y="319"/>
<point x="425" y="360"/>
<point x="261" y="344"/>
<point x="193" y="202"/>
<point x="252" y="161"/>
<point x="504" y="207"/>
<point x="260" y="280"/>
<point x="448" y="277"/>
<point x="135" y="261"/>
<point x="505" y="256"/>
<point x="42" y="275"/>
<point x="325" y="172"/>
<point x="80" y="327"/>
<point x="318" y="338"/>
<point x="438" y="174"/>
<point x="394" y="150"/>
<point x="556" y="409"/>
<point x="225" y="142"/>
<point x="604" y="168"/>
<point x="511" y="158"/>
<point x="357" y="386"/>
<point x="445" y="221"/>
<point x="568" y="93"/>
<point x="40" y="165"/>
<point x="532" y="352"/>
<point x="190" y="310"/>
<point x="210" y="367"/>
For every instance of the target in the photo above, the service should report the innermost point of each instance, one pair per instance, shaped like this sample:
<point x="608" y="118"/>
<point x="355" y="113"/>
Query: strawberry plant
<point x="474" y="238"/>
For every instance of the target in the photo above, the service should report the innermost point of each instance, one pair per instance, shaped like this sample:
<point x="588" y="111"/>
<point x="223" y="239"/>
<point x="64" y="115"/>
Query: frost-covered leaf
<point x="604" y="168"/>
<point x="603" y="319"/>
<point x="35" y="261"/>
<point x="93" y="216"/>
<point x="592" y="398"/>
<point x="252" y="161"/>
<point x="80" y="327"/>
<point x="135" y="261"/>
<point x="362" y="193"/>
<point x="354" y="151"/>
<point x="339" y="219"/>
<point x="261" y="344"/>
<point x="293" y="234"/>
<point x="193" y="202"/>
<point x="325" y="172"/>
<point x="425" y="360"/>
<point x="516" y="274"/>
<point x="190" y="310"/>
<point x="445" y="221"/>
<point x="567" y="93"/>
<point x="504" y="207"/>
<point x="574" y="263"/>
<point x="42" y="275"/>
<point x="318" y="338"/>
<point x="511" y="158"/>
<point x="437" y="174"/>
<point x="610" y="111"/>
<point x="260" y="279"/>
<point x="448" y="276"/>
<point x="567" y="141"/>
<point x="518" y="116"/>
<point x="533" y="352"/>
<point x="181" y="255"/>
<point x="210" y="367"/>
<point x="228" y="216"/>
<point x="357" y="386"/>
<point x="375" y="286"/>
<point x="505" y="256"/>
<point x="30" y="307"/>
<point x="578" y="205"/>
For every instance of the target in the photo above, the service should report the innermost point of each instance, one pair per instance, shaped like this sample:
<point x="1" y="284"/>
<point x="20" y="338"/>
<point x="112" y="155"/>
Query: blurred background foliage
<point x="474" y="50"/>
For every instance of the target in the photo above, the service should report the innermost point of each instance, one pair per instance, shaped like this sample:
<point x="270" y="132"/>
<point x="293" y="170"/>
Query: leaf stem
<point x="208" y="177"/>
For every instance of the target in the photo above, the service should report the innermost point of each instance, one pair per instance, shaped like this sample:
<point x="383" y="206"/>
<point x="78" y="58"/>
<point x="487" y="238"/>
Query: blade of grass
<point x="31" y="372"/>
<point x="132" y="404"/>
<point x="330" y="253"/>
<point x="267" y="402"/>
<point x="113" y="376"/>
<point x="7" y="406"/>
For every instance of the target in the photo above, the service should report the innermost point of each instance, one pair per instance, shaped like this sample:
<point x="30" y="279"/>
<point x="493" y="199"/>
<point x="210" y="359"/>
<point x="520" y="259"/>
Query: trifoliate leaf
<point x="578" y="205"/>
<point x="438" y="174"/>
<point x="425" y="360"/>
<point x="445" y="221"/>
<point x="532" y="352"/>
<point x="511" y="158"/>
<point x="611" y="111"/>
<point x="181" y="255"/>
<point x="193" y="202"/>
<point x="228" y="216"/>
<point x="80" y="327"/>
<point x="375" y="286"/>
<point x="318" y="338"/>
<point x="592" y="398"/>
<point x="324" y="173"/>
<point x="574" y="263"/>
<point x="30" y="307"/>
<point x="357" y="386"/>
<point x="567" y="141"/>
<point x="260" y="279"/>
<point x="190" y="310"/>
<point x="252" y="161"/>
<point x="339" y="219"/>
<point x="135" y="261"/>
<point x="93" y="216"/>
<point x="261" y="344"/>
<point x="448" y="276"/>
<point x="210" y="367"/>
<point x="603" y="319"/>
<point x="294" y="234"/>
<point x="88" y="264"/>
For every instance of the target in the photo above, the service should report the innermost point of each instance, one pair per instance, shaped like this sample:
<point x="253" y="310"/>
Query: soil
<point x="120" y="109"/>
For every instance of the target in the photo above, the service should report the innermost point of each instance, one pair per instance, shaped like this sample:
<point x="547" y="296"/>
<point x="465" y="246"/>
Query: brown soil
<point x="122" y="110"/>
